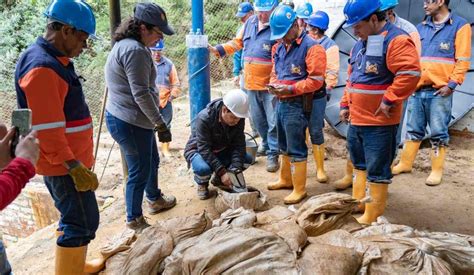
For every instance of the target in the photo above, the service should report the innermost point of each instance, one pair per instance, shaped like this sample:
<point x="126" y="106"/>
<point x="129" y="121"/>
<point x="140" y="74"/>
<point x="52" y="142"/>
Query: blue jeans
<point x="5" y="268"/>
<point x="141" y="154"/>
<point x="402" y="122"/>
<point x="291" y="125"/>
<point x="426" y="109"/>
<point x="79" y="211"/>
<point x="203" y="171"/>
<point x="167" y="114"/>
<point x="262" y="111"/>
<point x="372" y="148"/>
<point x="316" y="123"/>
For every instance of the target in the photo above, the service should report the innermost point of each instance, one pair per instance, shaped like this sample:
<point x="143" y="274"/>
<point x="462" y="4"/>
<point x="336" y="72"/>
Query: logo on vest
<point x="267" y="47"/>
<point x="295" y="69"/>
<point x="444" y="46"/>
<point x="371" y="68"/>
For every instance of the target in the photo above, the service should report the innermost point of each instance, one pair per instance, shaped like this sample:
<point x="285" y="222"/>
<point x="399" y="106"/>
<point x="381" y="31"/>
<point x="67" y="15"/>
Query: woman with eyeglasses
<point x="132" y="110"/>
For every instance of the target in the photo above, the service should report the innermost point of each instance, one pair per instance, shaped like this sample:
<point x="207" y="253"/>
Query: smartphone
<point x="21" y="120"/>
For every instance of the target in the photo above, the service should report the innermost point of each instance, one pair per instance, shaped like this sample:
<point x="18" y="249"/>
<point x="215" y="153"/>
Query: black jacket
<point x="210" y="136"/>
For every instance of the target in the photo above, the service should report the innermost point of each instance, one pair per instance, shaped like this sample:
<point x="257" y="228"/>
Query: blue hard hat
<point x="388" y="4"/>
<point x="244" y="8"/>
<point x="281" y="20"/>
<point x="357" y="10"/>
<point x="265" y="5"/>
<point x="304" y="11"/>
<point x="160" y="45"/>
<point x="320" y="20"/>
<point x="75" y="13"/>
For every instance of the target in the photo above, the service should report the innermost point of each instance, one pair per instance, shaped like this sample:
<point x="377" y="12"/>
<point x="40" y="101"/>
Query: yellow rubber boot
<point x="376" y="207"/>
<point x="346" y="181"/>
<point x="437" y="165"/>
<point x="94" y="266"/>
<point x="165" y="149"/>
<point x="70" y="260"/>
<point x="284" y="182"/>
<point x="299" y="183"/>
<point x="318" y="154"/>
<point x="407" y="157"/>
<point x="358" y="188"/>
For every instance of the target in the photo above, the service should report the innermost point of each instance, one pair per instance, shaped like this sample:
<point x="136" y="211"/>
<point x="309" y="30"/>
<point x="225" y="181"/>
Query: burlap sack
<point x="326" y="212"/>
<point x="329" y="260"/>
<point x="182" y="228"/>
<point x="289" y="231"/>
<point x="254" y="199"/>
<point x="227" y="250"/>
<point x="240" y="217"/>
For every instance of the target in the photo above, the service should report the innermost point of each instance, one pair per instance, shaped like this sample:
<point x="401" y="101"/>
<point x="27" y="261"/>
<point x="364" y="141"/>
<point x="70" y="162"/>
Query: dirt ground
<point x="448" y="207"/>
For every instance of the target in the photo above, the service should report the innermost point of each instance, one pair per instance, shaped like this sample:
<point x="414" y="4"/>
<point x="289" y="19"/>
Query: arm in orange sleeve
<point x="174" y="82"/>
<point x="462" y="44"/>
<point x="344" y="103"/>
<point x="45" y="92"/>
<point x="404" y="62"/>
<point x="273" y="76"/>
<point x="415" y="36"/>
<point x="233" y="45"/>
<point x="316" y="67"/>
<point x="332" y="70"/>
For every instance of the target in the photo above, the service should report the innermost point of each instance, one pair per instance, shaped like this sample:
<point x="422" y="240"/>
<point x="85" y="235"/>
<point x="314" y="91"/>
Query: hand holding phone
<point x="21" y="121"/>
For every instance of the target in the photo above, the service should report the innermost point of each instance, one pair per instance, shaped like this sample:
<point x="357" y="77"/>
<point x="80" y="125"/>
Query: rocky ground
<point x="447" y="207"/>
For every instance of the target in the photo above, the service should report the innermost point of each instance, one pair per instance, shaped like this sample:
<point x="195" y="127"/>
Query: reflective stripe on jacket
<point x="167" y="81"/>
<point x="47" y="83"/>
<point x="302" y="65"/>
<point x="391" y="77"/>
<point x="446" y="53"/>
<point x="257" y="50"/>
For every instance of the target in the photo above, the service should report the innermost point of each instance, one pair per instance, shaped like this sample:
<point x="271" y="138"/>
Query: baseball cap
<point x="154" y="15"/>
<point x="244" y="8"/>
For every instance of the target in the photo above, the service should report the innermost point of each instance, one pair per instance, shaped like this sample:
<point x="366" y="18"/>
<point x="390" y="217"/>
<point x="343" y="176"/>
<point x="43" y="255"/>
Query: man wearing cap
<point x="254" y="39"/>
<point x="303" y="12"/>
<point x="445" y="59"/>
<point x="317" y="24"/>
<point x="388" y="6"/>
<point x="46" y="83"/>
<point x="217" y="142"/>
<point x="383" y="71"/>
<point x="299" y="65"/>
<point x="168" y="86"/>
<point x="245" y="11"/>
<point x="132" y="111"/>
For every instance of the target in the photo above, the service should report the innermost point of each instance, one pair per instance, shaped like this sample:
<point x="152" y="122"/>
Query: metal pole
<point x="115" y="18"/>
<point x="198" y="62"/>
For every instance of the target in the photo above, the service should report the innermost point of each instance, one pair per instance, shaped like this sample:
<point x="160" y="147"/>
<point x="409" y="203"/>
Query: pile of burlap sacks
<point x="321" y="237"/>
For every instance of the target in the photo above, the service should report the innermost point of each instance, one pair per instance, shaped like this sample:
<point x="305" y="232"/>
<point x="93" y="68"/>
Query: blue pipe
<point x="198" y="66"/>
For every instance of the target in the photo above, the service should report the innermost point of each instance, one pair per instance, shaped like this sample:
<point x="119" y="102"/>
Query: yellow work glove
<point x="83" y="178"/>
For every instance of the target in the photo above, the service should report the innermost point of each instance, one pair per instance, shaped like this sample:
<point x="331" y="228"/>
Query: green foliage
<point x="23" y="22"/>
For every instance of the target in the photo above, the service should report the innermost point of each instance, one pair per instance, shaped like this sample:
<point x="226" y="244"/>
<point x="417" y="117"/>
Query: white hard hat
<point x="237" y="102"/>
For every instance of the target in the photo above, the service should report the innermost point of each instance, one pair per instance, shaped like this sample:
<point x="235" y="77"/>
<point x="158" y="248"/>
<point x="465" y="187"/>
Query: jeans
<point x="316" y="123"/>
<point x="141" y="154"/>
<point x="262" y="111"/>
<point x="426" y="109"/>
<point x="167" y="114"/>
<point x="291" y="125"/>
<point x="79" y="211"/>
<point x="203" y="171"/>
<point x="372" y="148"/>
<point x="402" y="122"/>
<point x="5" y="268"/>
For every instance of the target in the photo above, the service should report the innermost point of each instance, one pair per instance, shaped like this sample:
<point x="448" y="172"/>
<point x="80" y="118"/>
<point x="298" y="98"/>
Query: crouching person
<point x="217" y="142"/>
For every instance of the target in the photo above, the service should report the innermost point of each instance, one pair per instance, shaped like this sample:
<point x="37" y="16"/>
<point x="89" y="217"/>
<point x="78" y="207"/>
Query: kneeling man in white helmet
<point x="217" y="143"/>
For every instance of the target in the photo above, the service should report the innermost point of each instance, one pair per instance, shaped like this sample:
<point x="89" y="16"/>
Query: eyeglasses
<point x="159" y="32"/>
